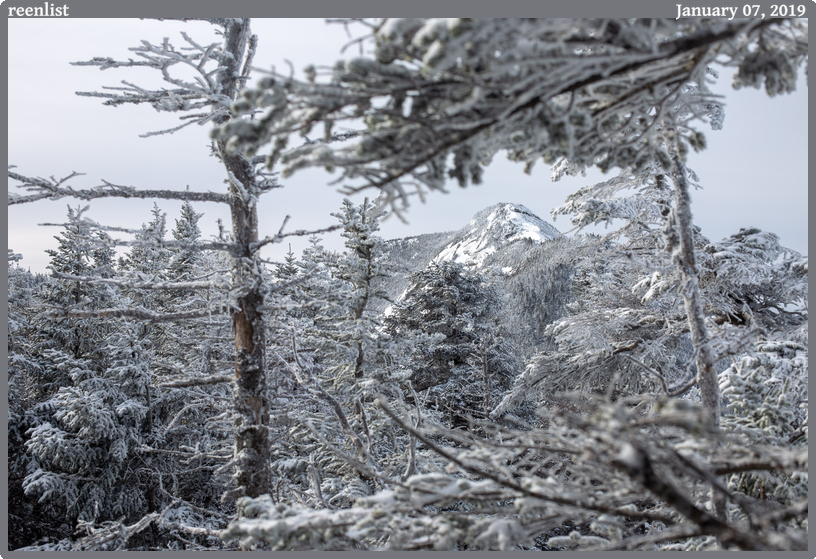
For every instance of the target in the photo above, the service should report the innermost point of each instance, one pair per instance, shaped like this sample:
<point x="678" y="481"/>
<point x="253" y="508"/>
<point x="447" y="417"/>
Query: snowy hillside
<point x="498" y="238"/>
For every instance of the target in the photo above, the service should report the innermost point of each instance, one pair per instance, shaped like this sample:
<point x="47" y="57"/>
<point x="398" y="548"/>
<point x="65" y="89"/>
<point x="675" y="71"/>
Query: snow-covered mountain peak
<point x="514" y="222"/>
<point x="493" y="228"/>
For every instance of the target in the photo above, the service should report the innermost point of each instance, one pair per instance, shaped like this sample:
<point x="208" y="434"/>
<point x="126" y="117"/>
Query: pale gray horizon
<point x="754" y="172"/>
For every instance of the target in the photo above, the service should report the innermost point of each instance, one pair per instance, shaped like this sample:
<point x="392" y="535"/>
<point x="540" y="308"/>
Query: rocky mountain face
<point x="526" y="256"/>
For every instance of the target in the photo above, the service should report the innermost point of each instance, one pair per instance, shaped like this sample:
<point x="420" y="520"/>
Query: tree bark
<point x="683" y="257"/>
<point x="251" y="406"/>
<point x="682" y="245"/>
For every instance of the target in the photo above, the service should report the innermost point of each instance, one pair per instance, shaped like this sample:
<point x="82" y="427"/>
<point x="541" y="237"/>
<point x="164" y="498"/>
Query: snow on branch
<point x="306" y="379"/>
<point x="118" y="532"/>
<point x="203" y="381"/>
<point x="135" y="312"/>
<point x="143" y="281"/>
<point x="109" y="242"/>
<point x="53" y="189"/>
<point x="298" y="233"/>
<point x="204" y="91"/>
<point x="580" y="501"/>
<point x="778" y="461"/>
<point x="599" y="92"/>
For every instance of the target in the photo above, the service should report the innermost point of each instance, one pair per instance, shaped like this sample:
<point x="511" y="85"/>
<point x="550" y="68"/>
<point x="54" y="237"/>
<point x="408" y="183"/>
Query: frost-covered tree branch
<point x="53" y="189"/>
<point x="297" y="233"/>
<point x="596" y="91"/>
<point x="308" y="381"/>
<point x="214" y="379"/>
<point x="141" y="281"/>
<point x="140" y="314"/>
<point x="585" y="446"/>
<point x="204" y="93"/>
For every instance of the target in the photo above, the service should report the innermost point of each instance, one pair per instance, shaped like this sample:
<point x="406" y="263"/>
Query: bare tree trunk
<point x="485" y="376"/>
<point x="151" y="490"/>
<point x="684" y="259"/>
<point x="252" y="449"/>
<point x="681" y="242"/>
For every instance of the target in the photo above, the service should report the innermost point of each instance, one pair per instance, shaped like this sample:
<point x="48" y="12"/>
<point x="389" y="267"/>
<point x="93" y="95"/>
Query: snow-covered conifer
<point x="184" y="259"/>
<point x="319" y="459"/>
<point x="459" y="308"/>
<point x="767" y="402"/>
<point x="92" y="412"/>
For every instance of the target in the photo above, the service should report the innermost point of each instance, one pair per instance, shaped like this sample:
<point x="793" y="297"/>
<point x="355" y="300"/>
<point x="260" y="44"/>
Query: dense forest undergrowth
<point x="522" y="375"/>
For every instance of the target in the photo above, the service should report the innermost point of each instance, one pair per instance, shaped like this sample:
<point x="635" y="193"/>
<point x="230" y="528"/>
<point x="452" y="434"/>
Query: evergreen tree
<point x="617" y="469"/>
<point x="184" y="424"/>
<point x="184" y="258"/>
<point x="459" y="308"/>
<point x="623" y="323"/>
<point x="351" y="333"/>
<point x="596" y="91"/>
<point x="29" y="519"/>
<point x="317" y="293"/>
<point x="480" y="86"/>
<point x="89" y="450"/>
<point x="288" y="269"/>
<point x="767" y="403"/>
<point x="221" y="71"/>
<point x="81" y="252"/>
<point x="148" y="258"/>
<point x="92" y="410"/>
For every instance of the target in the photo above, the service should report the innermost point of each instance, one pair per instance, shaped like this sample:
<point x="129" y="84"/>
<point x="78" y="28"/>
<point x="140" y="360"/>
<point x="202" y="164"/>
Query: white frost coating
<point x="394" y="27"/>
<point x="629" y="457"/>
<point x="389" y="310"/>
<point x="383" y="498"/>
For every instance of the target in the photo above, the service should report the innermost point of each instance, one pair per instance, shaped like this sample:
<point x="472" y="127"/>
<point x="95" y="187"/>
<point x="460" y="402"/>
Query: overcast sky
<point x="754" y="172"/>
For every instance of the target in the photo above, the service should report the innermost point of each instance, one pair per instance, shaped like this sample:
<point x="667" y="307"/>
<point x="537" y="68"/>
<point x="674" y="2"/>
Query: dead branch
<point x="299" y="233"/>
<point x="306" y="379"/>
<point x="53" y="190"/>
<point x="138" y="313"/>
<point x="214" y="379"/>
<point x="586" y="504"/>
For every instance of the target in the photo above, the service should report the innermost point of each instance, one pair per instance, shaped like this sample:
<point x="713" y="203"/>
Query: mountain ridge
<point x="528" y="257"/>
<point x="490" y="231"/>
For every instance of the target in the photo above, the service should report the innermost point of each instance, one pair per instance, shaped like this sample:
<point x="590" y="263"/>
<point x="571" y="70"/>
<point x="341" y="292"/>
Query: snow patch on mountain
<point x="492" y="229"/>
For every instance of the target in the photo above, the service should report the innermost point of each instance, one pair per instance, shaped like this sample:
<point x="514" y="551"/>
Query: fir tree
<point x="221" y="71"/>
<point x="767" y="403"/>
<point x="29" y="519"/>
<point x="184" y="259"/>
<point x="91" y="414"/>
<point x="459" y="308"/>
<point x="353" y="331"/>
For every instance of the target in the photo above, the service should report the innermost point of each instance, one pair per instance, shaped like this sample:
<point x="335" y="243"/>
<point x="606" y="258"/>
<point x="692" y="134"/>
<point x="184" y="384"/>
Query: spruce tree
<point x="184" y="258"/>
<point x="459" y="308"/>
<point x="221" y="71"/>
<point x="29" y="519"/>
<point x="93" y="408"/>
<point x="352" y="333"/>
